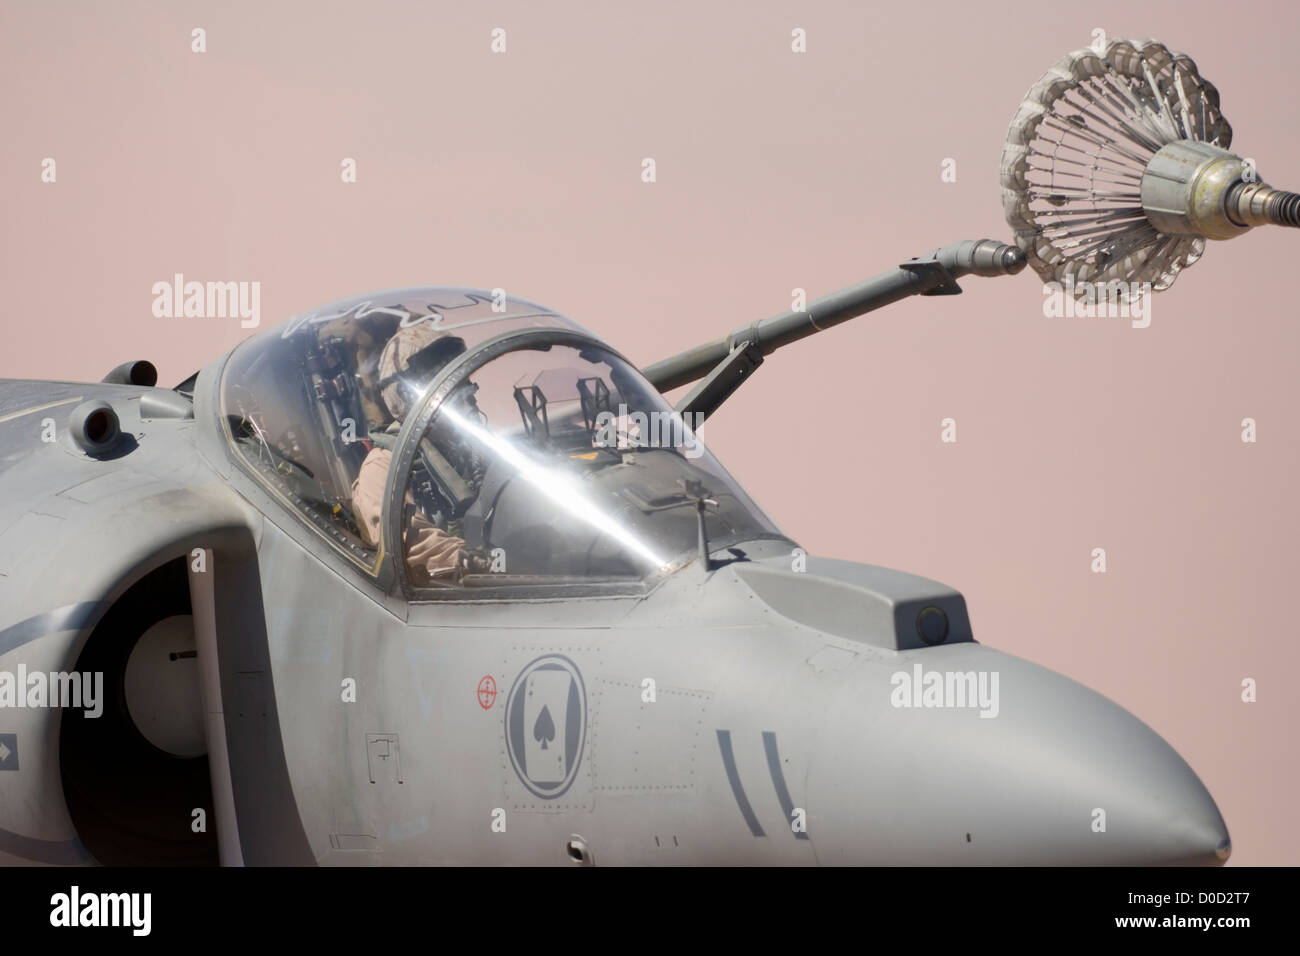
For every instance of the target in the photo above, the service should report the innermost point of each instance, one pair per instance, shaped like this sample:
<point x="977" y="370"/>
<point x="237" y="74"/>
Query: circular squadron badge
<point x="546" y="724"/>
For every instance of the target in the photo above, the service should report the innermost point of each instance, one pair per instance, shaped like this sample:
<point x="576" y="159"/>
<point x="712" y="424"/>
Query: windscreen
<point x="558" y="464"/>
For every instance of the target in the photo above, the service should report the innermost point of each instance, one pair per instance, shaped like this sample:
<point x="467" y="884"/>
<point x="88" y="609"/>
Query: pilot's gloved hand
<point x="429" y="549"/>
<point x="474" y="561"/>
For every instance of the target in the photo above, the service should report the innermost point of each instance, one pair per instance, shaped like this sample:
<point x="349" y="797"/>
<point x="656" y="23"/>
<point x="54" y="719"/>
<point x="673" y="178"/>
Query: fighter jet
<point x="437" y="576"/>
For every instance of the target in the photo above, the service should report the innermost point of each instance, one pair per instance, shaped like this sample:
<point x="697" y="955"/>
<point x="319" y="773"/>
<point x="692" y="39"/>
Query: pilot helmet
<point x="411" y="360"/>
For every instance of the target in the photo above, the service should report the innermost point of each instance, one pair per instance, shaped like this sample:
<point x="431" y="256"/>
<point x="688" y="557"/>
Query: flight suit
<point x="429" y="549"/>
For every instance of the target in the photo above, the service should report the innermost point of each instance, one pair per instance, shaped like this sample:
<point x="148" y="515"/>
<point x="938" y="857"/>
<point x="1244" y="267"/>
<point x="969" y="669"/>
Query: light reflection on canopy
<point x="560" y="488"/>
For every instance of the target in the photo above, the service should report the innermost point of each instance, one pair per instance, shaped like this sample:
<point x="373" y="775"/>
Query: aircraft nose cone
<point x="1054" y="774"/>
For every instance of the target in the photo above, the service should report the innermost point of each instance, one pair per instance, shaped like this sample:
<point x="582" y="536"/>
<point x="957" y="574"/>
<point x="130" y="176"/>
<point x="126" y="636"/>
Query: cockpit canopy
<point x="529" y="453"/>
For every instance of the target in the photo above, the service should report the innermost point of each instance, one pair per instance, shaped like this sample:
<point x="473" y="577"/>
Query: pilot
<point x="409" y="362"/>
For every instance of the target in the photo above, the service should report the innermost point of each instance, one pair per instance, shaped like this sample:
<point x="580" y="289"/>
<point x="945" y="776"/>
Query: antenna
<point x="698" y="496"/>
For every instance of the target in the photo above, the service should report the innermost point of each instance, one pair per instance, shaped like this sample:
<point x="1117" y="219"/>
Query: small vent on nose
<point x="578" y="851"/>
